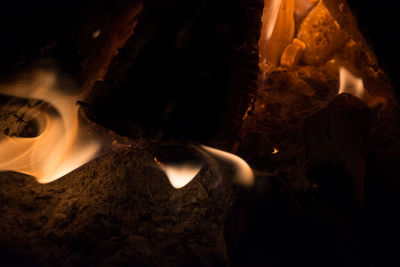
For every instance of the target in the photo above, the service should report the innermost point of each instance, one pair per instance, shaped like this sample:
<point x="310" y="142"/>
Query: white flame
<point x="271" y="17"/>
<point x="350" y="84"/>
<point x="58" y="149"/>
<point x="180" y="175"/>
<point x="244" y="174"/>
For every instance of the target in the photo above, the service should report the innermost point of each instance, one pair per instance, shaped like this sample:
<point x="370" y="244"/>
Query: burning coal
<point x="60" y="147"/>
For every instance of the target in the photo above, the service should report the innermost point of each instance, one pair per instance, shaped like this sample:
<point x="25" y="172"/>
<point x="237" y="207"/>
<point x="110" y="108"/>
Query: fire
<point x="271" y="17"/>
<point x="351" y="84"/>
<point x="277" y="30"/>
<point x="179" y="175"/>
<point x="244" y="174"/>
<point x="60" y="147"/>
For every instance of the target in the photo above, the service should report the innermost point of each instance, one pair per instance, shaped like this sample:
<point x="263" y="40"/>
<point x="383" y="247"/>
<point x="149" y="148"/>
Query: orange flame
<point x="59" y="149"/>
<point x="277" y="30"/>
<point x="351" y="84"/>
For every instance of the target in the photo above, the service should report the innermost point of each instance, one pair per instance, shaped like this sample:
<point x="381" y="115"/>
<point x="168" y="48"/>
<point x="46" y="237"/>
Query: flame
<point x="244" y="174"/>
<point x="277" y="30"/>
<point x="270" y="18"/>
<point x="351" y="84"/>
<point x="96" y="33"/>
<point x="275" y="151"/>
<point x="59" y="149"/>
<point x="179" y="175"/>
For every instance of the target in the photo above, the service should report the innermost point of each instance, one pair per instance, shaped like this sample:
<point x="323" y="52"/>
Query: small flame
<point x="275" y="151"/>
<point x="351" y="84"/>
<point x="58" y="149"/>
<point x="96" y="33"/>
<point x="271" y="17"/>
<point x="244" y="174"/>
<point x="179" y="175"/>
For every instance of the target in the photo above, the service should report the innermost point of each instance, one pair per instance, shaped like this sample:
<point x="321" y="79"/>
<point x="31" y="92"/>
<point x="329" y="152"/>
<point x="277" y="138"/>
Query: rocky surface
<point x="117" y="210"/>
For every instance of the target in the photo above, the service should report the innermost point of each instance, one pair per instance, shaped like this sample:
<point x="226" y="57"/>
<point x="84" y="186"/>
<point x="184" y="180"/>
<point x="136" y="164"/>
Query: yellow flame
<point x="59" y="149"/>
<point x="351" y="84"/>
<point x="275" y="151"/>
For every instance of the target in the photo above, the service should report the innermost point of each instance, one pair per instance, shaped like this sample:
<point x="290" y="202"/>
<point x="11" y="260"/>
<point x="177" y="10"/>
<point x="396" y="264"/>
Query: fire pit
<point x="174" y="133"/>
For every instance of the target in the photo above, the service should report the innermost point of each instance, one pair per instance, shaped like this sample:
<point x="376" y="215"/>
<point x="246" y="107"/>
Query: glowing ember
<point x="60" y="147"/>
<point x="96" y="33"/>
<point x="275" y="151"/>
<point x="351" y="84"/>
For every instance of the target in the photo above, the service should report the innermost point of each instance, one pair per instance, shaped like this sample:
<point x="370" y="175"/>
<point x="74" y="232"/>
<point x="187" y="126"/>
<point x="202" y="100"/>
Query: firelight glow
<point x="350" y="84"/>
<point x="60" y="147"/>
